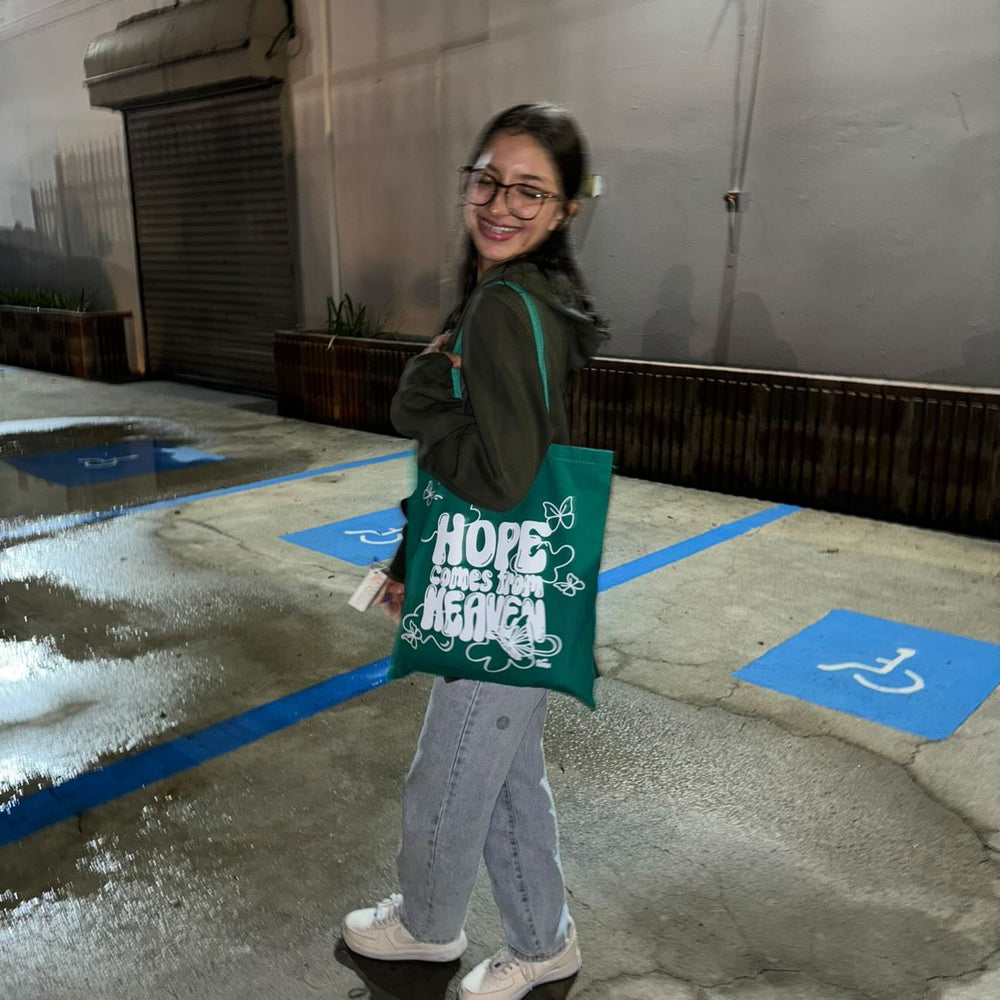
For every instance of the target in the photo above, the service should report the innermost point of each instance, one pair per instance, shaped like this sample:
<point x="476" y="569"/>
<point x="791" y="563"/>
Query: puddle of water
<point x="107" y="644"/>
<point x="60" y="465"/>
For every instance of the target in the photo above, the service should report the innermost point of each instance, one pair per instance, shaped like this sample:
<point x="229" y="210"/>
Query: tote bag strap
<point x="536" y="329"/>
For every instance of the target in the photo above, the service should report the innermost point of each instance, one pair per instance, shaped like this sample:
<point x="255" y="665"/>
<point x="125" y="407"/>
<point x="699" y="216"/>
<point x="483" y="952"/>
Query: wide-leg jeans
<point x="477" y="790"/>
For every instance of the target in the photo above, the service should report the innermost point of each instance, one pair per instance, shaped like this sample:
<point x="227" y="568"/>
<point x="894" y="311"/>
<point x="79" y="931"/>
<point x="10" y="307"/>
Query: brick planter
<point x="350" y="383"/>
<point x="919" y="454"/>
<point x="85" y="345"/>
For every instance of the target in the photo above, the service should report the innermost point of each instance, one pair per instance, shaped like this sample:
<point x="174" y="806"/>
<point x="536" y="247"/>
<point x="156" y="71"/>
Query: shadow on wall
<point x="28" y="259"/>
<point x="667" y="334"/>
<point x="82" y="238"/>
<point x="754" y="343"/>
<point x="979" y="367"/>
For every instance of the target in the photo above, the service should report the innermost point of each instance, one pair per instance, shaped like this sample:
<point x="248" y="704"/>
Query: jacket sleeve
<point x="486" y="448"/>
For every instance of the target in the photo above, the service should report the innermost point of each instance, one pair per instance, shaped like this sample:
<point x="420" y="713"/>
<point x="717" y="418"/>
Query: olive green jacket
<point x="488" y="446"/>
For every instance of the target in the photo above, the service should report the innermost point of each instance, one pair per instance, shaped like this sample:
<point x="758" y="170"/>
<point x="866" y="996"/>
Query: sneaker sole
<point x="430" y="952"/>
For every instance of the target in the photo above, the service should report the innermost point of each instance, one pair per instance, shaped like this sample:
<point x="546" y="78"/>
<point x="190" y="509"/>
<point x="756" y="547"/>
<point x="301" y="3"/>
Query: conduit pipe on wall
<point x="331" y="176"/>
<point x="735" y="203"/>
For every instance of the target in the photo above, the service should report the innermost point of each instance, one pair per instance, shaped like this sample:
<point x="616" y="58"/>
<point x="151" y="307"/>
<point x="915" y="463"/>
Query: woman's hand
<point x="392" y="600"/>
<point x="436" y="347"/>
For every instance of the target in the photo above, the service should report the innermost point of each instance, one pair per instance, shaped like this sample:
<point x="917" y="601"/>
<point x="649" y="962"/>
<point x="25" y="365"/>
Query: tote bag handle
<point x="536" y="329"/>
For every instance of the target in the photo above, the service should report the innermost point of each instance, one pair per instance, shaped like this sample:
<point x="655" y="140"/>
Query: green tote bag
<point x="508" y="596"/>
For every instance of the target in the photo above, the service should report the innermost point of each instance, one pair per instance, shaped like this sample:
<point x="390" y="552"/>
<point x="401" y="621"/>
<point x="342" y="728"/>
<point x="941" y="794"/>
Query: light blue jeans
<point x="477" y="789"/>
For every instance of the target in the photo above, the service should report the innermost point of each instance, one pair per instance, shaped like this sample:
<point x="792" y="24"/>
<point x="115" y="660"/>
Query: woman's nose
<point x="498" y="204"/>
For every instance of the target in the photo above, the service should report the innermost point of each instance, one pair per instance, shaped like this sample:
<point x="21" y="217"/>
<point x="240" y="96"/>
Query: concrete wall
<point x="871" y="240"/>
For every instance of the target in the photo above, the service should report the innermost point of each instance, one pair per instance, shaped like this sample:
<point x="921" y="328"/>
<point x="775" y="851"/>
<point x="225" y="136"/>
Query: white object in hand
<point x="368" y="590"/>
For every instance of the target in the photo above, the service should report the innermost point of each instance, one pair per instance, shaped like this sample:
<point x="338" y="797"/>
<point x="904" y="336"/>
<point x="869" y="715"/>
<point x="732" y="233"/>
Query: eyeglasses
<point x="524" y="202"/>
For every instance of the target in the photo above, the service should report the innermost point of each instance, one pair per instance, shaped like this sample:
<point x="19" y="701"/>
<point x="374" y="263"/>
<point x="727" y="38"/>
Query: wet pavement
<point x="721" y="840"/>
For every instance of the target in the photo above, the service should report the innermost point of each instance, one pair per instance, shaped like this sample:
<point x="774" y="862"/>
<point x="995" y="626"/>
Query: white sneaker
<point x="379" y="933"/>
<point x="506" y="977"/>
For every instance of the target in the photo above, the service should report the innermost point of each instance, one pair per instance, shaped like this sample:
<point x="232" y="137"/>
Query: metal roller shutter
<point x="212" y="231"/>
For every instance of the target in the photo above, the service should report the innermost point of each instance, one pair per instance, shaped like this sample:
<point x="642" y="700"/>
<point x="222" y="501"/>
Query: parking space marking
<point x="926" y="682"/>
<point x="129" y="774"/>
<point x="358" y="540"/>
<point x="26" y="816"/>
<point x="100" y="464"/>
<point x="62" y="522"/>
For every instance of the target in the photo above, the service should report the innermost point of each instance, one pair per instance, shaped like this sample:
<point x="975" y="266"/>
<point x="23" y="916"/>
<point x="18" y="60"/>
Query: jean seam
<point x="518" y="868"/>
<point x="449" y="789"/>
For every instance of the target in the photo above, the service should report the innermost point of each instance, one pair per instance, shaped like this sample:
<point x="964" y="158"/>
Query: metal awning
<point x="188" y="49"/>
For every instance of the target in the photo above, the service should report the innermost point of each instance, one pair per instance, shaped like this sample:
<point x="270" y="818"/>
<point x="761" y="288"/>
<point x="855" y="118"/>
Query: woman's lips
<point x="494" y="232"/>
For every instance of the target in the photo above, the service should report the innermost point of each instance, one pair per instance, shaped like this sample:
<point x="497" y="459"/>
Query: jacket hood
<point x="558" y="293"/>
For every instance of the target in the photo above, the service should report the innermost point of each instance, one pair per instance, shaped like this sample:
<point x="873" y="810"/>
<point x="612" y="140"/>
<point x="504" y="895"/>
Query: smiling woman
<point x="531" y="207"/>
<point x="486" y="403"/>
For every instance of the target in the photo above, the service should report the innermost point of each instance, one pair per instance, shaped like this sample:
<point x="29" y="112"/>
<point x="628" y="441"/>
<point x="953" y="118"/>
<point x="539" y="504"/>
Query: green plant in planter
<point x="348" y="318"/>
<point x="42" y="298"/>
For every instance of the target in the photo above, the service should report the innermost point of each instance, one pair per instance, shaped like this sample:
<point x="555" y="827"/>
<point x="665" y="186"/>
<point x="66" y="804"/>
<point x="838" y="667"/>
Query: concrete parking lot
<point x="201" y="760"/>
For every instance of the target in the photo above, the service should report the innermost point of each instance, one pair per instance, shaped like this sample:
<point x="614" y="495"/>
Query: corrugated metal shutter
<point x="212" y="226"/>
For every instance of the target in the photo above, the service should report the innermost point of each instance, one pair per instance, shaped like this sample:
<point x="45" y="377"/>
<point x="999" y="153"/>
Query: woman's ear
<point x="565" y="213"/>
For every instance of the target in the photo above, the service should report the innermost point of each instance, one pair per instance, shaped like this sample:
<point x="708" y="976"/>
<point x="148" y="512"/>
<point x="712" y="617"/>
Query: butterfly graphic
<point x="431" y="494"/>
<point x="570" y="586"/>
<point x="562" y="516"/>
<point x="523" y="650"/>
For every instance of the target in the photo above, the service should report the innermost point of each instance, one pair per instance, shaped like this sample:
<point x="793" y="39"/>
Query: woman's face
<point x="499" y="235"/>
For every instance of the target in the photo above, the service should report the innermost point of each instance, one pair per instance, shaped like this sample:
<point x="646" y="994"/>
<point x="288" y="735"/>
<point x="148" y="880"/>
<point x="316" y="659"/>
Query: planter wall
<point x="920" y="454"/>
<point x="85" y="345"/>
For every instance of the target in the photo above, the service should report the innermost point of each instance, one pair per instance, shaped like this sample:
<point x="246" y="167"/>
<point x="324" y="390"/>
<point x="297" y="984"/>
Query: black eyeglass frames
<point x="523" y="201"/>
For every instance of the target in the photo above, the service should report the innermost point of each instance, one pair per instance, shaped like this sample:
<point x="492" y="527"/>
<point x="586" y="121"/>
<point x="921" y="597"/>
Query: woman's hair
<point x="556" y="131"/>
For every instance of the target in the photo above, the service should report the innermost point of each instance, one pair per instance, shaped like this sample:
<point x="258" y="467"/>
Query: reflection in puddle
<point x="58" y="466"/>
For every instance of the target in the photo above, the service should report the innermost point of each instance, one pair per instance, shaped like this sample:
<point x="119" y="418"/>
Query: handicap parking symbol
<point x="105" y="463"/>
<point x="913" y="679"/>
<point x="358" y="540"/>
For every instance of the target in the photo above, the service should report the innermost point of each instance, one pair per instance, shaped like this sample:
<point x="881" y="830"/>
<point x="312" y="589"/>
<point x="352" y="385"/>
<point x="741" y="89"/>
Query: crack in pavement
<point x="981" y="834"/>
<point x="992" y="959"/>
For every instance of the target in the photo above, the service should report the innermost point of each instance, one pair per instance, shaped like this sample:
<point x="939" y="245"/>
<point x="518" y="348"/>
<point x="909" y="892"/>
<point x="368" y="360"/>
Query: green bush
<point x="42" y="298"/>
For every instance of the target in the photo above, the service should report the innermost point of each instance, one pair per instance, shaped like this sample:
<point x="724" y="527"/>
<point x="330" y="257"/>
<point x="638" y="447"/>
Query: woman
<point x="477" y="786"/>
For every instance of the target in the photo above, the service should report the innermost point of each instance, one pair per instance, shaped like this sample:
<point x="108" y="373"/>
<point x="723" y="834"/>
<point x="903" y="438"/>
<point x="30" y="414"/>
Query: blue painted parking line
<point x="122" y="460"/>
<point x="62" y="522"/>
<point x="44" y="808"/>
<point x="94" y="788"/>
<point x="691" y="546"/>
<point x="359" y="540"/>
<point x="914" y="679"/>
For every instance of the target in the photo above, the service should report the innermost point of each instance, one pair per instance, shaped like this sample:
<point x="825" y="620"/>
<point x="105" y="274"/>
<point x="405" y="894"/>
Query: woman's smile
<point x="492" y="231"/>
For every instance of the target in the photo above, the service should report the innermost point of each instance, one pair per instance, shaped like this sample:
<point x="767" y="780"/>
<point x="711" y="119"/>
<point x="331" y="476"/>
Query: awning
<point x="187" y="49"/>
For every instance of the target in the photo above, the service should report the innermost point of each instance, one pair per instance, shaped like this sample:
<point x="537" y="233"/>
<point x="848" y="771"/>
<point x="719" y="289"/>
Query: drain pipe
<point x="331" y="177"/>
<point x="734" y="198"/>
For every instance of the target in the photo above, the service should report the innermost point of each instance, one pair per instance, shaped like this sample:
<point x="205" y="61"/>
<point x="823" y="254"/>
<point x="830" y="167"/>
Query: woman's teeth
<point x="499" y="230"/>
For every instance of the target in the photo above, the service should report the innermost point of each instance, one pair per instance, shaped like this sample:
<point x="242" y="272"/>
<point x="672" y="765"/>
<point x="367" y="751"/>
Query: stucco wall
<point x="871" y="240"/>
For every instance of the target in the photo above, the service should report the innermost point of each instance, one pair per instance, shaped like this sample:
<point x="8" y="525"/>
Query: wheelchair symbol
<point x="105" y="463"/>
<point x="917" y="682"/>
<point x="371" y="537"/>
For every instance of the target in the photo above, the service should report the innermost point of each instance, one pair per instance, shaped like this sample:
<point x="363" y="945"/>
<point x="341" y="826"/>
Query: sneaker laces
<point x="504" y="961"/>
<point x="387" y="911"/>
